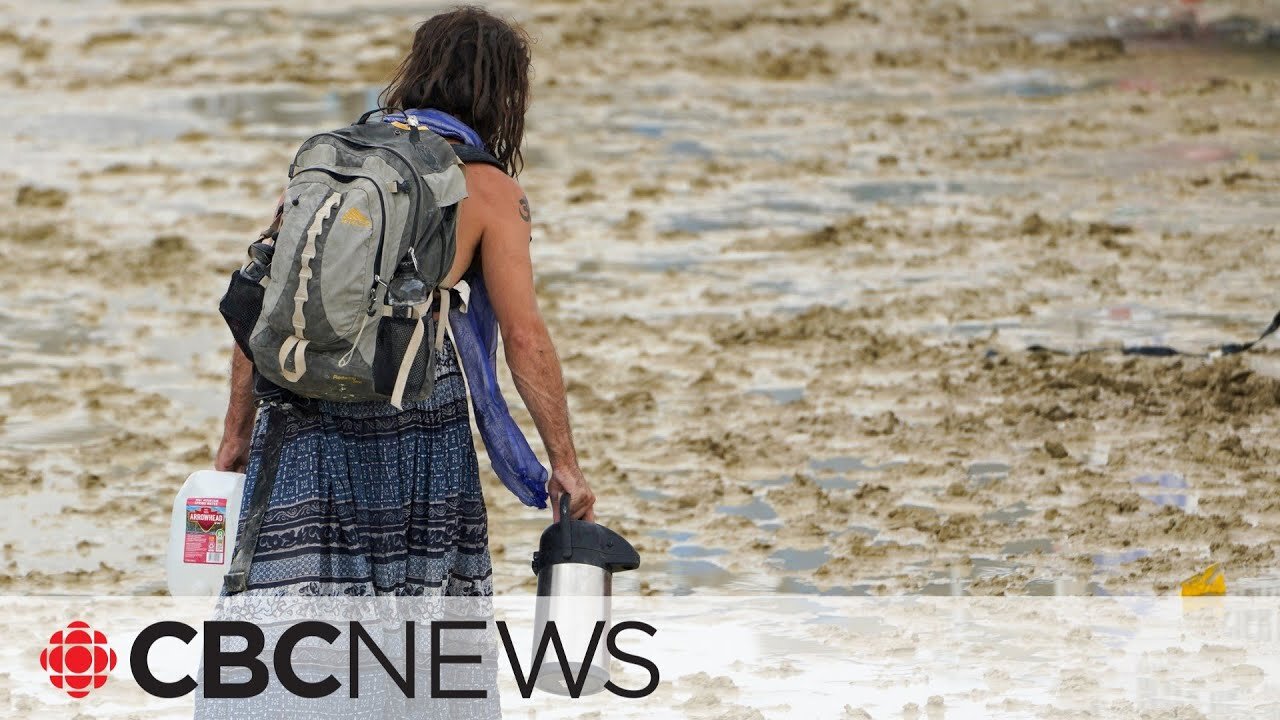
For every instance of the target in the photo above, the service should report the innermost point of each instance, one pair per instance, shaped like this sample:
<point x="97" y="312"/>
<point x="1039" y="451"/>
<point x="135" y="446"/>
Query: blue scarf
<point x="475" y="335"/>
<point x="442" y="124"/>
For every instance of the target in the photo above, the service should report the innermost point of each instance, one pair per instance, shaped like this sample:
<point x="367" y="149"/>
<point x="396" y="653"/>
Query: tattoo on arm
<point x="524" y="209"/>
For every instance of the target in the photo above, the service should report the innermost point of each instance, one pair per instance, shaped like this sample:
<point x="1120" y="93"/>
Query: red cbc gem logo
<point x="78" y="659"/>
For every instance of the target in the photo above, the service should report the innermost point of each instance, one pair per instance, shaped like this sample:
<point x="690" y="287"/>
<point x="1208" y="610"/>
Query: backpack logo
<point x="355" y="217"/>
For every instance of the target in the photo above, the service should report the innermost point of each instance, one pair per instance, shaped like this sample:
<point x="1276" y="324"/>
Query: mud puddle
<point x="758" y="509"/>
<point x="1168" y="490"/>
<point x="288" y="106"/>
<point x="780" y="395"/>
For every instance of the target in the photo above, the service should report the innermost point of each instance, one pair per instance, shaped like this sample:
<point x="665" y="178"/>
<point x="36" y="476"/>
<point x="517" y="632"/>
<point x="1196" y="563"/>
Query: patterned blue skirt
<point x="370" y="500"/>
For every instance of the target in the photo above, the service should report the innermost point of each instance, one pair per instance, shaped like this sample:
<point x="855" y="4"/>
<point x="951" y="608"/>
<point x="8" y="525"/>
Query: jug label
<point x="206" y="531"/>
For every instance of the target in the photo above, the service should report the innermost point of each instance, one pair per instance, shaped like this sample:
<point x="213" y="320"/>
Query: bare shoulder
<point x="495" y="198"/>
<point x="488" y="183"/>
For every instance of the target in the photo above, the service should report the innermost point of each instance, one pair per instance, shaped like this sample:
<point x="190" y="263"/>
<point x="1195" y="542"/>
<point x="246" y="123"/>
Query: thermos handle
<point x="565" y="529"/>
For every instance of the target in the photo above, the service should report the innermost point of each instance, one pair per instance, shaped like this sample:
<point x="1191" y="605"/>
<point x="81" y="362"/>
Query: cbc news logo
<point x="78" y="659"/>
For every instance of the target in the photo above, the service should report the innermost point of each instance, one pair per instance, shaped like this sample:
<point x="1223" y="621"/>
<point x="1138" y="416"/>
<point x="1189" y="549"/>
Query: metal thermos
<point x="575" y="563"/>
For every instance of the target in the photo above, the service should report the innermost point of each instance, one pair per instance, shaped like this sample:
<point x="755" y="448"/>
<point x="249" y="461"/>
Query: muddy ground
<point x="792" y="255"/>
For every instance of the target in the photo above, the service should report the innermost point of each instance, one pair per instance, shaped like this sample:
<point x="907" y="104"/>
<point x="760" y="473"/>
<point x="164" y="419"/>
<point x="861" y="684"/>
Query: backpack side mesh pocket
<point x="394" y="335"/>
<point x="240" y="306"/>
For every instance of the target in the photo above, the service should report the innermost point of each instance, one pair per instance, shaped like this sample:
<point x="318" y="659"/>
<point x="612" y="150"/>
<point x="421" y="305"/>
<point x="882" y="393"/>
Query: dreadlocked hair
<point x="474" y="66"/>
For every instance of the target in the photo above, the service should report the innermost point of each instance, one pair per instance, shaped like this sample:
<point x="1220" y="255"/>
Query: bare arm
<point x="237" y="428"/>
<point x="530" y="354"/>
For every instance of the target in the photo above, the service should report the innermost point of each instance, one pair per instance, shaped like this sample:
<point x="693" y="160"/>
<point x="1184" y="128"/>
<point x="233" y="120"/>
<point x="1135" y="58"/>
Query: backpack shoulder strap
<point x="474" y="155"/>
<point x="468" y="155"/>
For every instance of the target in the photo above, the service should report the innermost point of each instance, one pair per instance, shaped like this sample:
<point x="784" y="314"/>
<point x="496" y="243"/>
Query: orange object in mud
<point x="1211" y="581"/>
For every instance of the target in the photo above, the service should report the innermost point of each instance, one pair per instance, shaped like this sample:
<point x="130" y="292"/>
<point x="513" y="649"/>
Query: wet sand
<point x="791" y="255"/>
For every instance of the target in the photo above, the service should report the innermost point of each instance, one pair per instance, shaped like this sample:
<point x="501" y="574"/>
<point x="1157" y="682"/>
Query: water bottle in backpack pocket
<point x="408" y="298"/>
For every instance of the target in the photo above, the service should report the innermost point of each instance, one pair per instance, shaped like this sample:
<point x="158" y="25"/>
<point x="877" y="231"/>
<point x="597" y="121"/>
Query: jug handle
<point x="565" y="528"/>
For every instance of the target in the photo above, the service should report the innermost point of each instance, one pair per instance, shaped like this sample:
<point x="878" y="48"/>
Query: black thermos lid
<point x="586" y="543"/>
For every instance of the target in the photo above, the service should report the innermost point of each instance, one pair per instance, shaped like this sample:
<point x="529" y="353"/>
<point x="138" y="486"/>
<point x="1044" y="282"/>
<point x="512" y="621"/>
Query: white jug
<point x="202" y="532"/>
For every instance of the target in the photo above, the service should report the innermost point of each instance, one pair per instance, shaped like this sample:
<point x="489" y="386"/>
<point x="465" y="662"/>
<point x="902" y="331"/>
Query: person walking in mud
<point x="373" y="499"/>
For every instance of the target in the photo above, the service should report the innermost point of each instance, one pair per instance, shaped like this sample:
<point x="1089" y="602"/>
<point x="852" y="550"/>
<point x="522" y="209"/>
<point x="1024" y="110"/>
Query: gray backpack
<point x="365" y="238"/>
